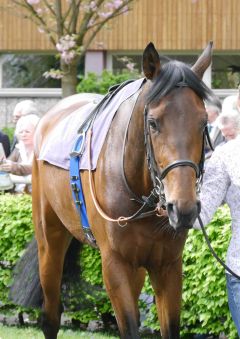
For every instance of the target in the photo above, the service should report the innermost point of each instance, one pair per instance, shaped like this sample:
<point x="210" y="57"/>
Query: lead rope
<point x="213" y="252"/>
<point x="122" y="221"/>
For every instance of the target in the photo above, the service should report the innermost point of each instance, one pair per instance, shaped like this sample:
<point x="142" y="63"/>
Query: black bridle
<point x="158" y="175"/>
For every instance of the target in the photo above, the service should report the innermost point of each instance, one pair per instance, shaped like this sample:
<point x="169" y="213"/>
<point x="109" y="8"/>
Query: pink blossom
<point x="66" y="43"/>
<point x="105" y="14"/>
<point x="39" y="11"/>
<point x="93" y="6"/>
<point x="124" y="9"/>
<point x="115" y="4"/>
<point x="90" y="23"/>
<point x="130" y="66"/>
<point x="53" y="73"/>
<point x="68" y="56"/>
<point x="41" y="30"/>
<point x="33" y="2"/>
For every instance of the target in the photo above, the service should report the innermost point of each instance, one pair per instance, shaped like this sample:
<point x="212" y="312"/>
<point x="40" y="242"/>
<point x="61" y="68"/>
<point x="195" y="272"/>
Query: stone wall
<point x="44" y="98"/>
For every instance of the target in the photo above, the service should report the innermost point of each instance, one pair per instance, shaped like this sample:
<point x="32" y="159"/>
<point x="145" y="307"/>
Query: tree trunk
<point x="69" y="79"/>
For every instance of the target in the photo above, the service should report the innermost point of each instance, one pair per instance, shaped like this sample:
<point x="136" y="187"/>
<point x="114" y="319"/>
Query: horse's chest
<point x="145" y="250"/>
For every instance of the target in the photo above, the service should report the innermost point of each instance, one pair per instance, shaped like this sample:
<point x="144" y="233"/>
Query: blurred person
<point x="19" y="163"/>
<point x="5" y="141"/>
<point x="229" y="124"/>
<point x="213" y="129"/>
<point x="232" y="102"/>
<point x="22" y="108"/>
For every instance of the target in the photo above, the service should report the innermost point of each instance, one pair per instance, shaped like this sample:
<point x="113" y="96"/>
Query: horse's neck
<point x="135" y="163"/>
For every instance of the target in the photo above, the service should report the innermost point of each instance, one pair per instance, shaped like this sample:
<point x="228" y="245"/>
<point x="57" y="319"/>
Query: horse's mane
<point x="178" y="74"/>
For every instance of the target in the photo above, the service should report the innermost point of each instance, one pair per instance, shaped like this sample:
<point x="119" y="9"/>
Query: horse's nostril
<point x="172" y="212"/>
<point x="183" y="217"/>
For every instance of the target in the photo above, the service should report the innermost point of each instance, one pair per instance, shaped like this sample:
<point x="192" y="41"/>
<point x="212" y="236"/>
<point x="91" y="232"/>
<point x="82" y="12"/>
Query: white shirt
<point x="221" y="182"/>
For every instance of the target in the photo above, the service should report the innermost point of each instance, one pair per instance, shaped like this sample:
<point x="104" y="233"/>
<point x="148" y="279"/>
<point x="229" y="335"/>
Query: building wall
<point x="44" y="99"/>
<point x="170" y="24"/>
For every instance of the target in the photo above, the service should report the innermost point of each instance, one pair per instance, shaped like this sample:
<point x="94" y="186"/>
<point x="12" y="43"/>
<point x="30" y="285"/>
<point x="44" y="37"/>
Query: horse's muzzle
<point x="180" y="217"/>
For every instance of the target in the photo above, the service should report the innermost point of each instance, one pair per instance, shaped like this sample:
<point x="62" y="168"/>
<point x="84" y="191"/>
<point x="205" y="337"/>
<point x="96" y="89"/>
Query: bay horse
<point x="159" y="148"/>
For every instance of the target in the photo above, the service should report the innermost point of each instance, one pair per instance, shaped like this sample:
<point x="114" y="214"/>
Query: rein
<point x="122" y="220"/>
<point x="213" y="252"/>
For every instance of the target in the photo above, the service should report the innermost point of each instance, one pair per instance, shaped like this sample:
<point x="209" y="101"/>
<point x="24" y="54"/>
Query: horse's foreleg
<point x="124" y="285"/>
<point x="167" y="284"/>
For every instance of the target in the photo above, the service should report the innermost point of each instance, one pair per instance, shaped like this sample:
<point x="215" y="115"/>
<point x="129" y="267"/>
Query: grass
<point x="14" y="332"/>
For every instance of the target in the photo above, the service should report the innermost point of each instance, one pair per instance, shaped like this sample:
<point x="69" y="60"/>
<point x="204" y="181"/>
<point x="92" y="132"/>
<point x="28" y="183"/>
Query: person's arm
<point x="14" y="165"/>
<point x="21" y="168"/>
<point x="215" y="185"/>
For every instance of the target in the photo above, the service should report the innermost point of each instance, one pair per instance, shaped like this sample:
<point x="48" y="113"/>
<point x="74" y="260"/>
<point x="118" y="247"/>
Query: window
<point x="26" y="71"/>
<point x="225" y="68"/>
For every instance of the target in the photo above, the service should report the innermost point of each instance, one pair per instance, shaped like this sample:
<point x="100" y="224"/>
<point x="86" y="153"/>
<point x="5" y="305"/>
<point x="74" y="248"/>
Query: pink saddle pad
<point x="60" y="143"/>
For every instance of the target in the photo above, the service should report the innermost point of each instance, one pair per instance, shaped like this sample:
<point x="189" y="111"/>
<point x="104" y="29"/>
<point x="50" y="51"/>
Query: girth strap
<point x="76" y="185"/>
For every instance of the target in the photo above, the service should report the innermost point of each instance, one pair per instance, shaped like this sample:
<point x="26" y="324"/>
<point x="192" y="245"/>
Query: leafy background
<point x="204" y="308"/>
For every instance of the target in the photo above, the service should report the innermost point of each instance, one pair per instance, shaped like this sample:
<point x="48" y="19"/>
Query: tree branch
<point x="59" y="18"/>
<point x="100" y="24"/>
<point x="49" y="7"/>
<point x="75" y="6"/>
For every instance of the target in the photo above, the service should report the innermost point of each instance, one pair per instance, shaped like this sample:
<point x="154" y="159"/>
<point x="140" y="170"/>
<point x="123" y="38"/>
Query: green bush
<point x="15" y="231"/>
<point x="93" y="83"/>
<point x="204" y="308"/>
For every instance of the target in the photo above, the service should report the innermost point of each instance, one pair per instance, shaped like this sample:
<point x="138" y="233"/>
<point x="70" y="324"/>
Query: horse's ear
<point x="204" y="61"/>
<point x="151" y="62"/>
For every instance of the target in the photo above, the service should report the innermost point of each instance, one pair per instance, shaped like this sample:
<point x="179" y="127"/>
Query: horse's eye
<point x="153" y="124"/>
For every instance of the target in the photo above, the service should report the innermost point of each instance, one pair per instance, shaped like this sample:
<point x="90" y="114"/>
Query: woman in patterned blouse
<point x="221" y="183"/>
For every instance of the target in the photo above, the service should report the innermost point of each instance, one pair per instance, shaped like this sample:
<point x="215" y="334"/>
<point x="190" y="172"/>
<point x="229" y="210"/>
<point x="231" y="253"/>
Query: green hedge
<point x="204" y="309"/>
<point x="205" y="306"/>
<point x="94" y="83"/>
<point x="15" y="232"/>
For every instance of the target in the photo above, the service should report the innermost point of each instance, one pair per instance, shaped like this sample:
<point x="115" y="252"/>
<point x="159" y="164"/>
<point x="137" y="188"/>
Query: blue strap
<point x="75" y="180"/>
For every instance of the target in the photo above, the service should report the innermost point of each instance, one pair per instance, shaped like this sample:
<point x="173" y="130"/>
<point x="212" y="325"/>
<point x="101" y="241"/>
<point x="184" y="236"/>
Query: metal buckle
<point x="159" y="189"/>
<point x="79" y="152"/>
<point x="90" y="237"/>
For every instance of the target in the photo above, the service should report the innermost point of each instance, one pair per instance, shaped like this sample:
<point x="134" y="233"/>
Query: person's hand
<point x="6" y="166"/>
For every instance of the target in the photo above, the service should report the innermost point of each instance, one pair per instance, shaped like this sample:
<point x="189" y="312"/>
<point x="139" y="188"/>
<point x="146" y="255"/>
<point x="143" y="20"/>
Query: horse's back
<point x="57" y="113"/>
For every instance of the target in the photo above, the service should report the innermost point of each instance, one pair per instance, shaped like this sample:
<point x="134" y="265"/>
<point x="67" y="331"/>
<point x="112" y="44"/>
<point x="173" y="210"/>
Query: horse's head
<point x="175" y="120"/>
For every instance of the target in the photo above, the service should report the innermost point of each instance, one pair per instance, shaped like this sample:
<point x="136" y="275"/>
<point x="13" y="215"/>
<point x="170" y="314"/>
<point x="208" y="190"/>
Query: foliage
<point x="204" y="308"/>
<point x="93" y="83"/>
<point x="15" y="230"/>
